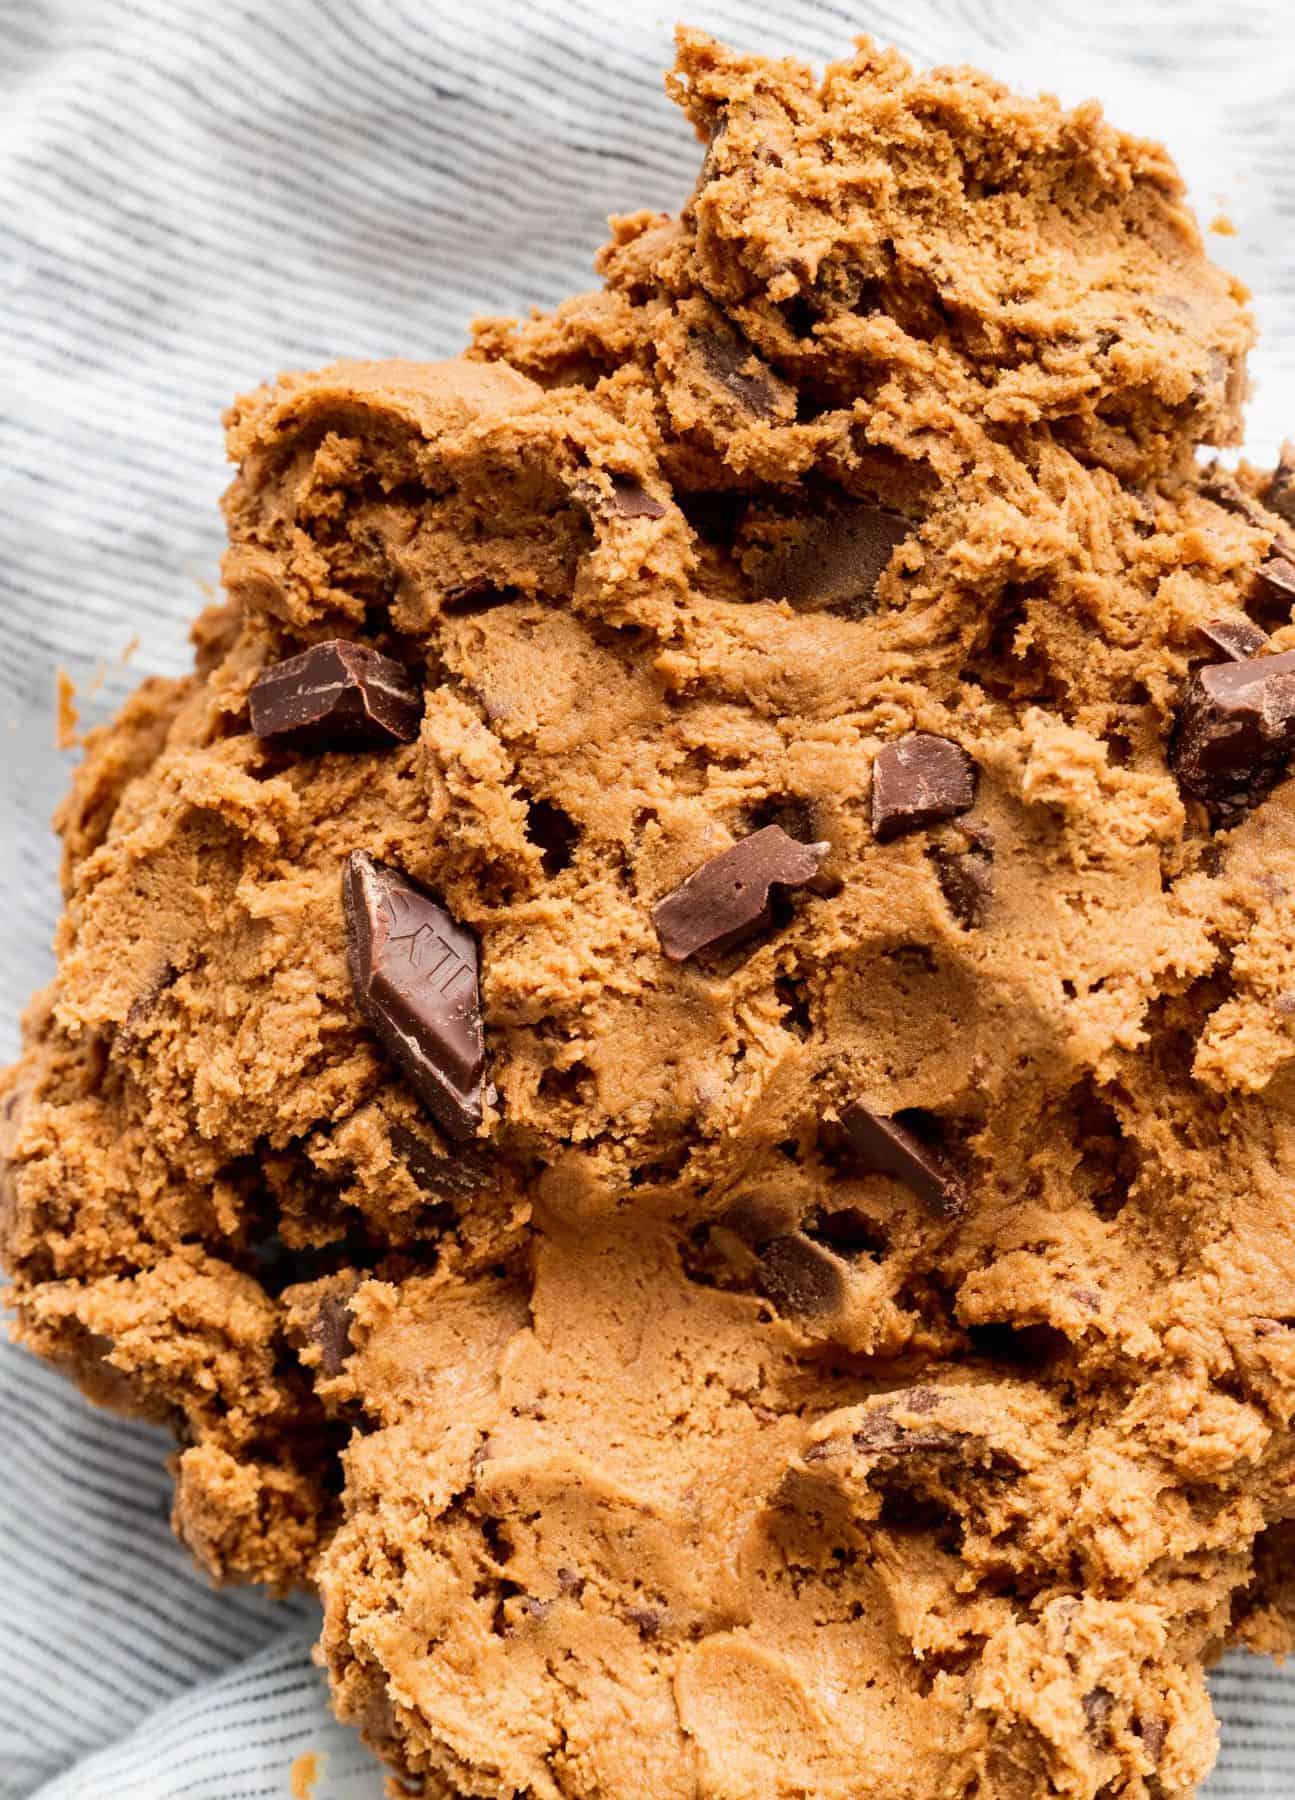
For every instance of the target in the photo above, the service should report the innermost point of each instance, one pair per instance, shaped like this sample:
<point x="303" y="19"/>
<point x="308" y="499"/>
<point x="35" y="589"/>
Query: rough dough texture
<point x="649" y="1444"/>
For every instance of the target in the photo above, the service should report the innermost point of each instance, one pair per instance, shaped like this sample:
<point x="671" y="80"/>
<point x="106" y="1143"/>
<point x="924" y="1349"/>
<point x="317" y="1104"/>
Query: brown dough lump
<point x="665" y="1438"/>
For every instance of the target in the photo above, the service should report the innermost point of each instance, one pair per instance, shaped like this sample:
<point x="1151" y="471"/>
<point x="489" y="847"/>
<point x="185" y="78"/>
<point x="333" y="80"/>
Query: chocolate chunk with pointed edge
<point x="632" y="500"/>
<point x="1236" y="636"/>
<point x="728" y="899"/>
<point x="336" y="696"/>
<point x="331" y="1331"/>
<point x="887" y="1146"/>
<point x="1279" y="496"/>
<point x="966" y="879"/>
<point x="444" y="1177"/>
<point x="1235" y="731"/>
<point x="919" y="780"/>
<point x="734" y="365"/>
<point x="1276" y="577"/>
<point x="800" y="1277"/>
<point x="838" y="560"/>
<point x="414" y="971"/>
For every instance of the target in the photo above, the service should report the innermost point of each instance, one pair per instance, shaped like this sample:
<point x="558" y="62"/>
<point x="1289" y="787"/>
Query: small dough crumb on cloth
<point x="675" y="1059"/>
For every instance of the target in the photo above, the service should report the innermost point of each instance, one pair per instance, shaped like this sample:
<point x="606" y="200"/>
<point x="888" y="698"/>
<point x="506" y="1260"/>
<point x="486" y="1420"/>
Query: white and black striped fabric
<point x="194" y="194"/>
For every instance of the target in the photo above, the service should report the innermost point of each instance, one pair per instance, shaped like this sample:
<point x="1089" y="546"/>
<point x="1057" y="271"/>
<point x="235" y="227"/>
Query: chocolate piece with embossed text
<point x="1235" y="731"/>
<point x="919" y="780"/>
<point x="886" y="1146"/>
<point x="837" y="562"/>
<point x="729" y="898"/>
<point x="414" y="971"/>
<point x="336" y="696"/>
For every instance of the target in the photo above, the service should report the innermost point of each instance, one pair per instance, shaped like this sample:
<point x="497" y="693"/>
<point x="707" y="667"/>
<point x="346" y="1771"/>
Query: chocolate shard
<point x="632" y="500"/>
<point x="1236" y="636"/>
<point x="966" y="879"/>
<point x="728" y="899"/>
<point x="1235" y="731"/>
<point x="1279" y="496"/>
<point x="336" y="696"/>
<point x="837" y="562"/>
<point x="331" y="1331"/>
<point x="414" y="971"/>
<point x="886" y="1146"/>
<point x="1276" y="578"/>
<point x="802" y="1279"/>
<point x="919" y="780"/>
<point x="730" y="361"/>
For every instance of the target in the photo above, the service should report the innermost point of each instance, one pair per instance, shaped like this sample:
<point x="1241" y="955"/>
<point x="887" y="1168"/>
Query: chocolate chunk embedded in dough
<point x="886" y="1146"/>
<point x="728" y="899"/>
<point x="837" y="561"/>
<point x="1236" y="636"/>
<point x="734" y="365"/>
<point x="414" y="971"/>
<point x="1235" y="730"/>
<point x="336" y="696"/>
<point x="966" y="879"/>
<point x="632" y="500"/>
<point x="1276" y="578"/>
<point x="917" y="781"/>
<point x="802" y="1279"/>
<point x="331" y="1331"/>
<point x="1279" y="496"/>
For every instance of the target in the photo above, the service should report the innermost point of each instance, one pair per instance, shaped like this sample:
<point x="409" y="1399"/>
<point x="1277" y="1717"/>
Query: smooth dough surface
<point x="651" y="1445"/>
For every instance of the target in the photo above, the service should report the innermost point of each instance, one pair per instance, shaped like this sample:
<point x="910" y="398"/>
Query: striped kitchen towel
<point x="194" y="194"/>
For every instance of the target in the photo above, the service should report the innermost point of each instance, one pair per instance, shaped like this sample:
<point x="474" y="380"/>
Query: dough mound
<point x="855" y="1353"/>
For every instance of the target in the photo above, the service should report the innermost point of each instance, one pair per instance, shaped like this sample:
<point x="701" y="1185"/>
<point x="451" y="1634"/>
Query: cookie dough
<point x="675" y="1060"/>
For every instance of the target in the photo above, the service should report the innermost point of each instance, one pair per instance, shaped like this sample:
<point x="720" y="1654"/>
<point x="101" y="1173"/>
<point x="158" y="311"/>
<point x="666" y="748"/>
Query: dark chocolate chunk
<point x="1276" y="578"/>
<point x="331" y="1331"/>
<point x="336" y="696"/>
<point x="414" y="971"/>
<point x="800" y="1278"/>
<point x="646" y="1620"/>
<point x="1236" y="636"/>
<point x="632" y="500"/>
<point x="887" y="1146"/>
<point x="837" y="562"/>
<point x="728" y="899"/>
<point x="919" y="780"/>
<point x="1279" y="496"/>
<point x="731" y="362"/>
<point x="966" y="879"/>
<point x="442" y="1177"/>
<point x="1235" y="731"/>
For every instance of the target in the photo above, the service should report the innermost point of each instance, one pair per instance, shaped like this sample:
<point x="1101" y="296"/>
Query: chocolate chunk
<point x="1236" y="636"/>
<point x="414" y="972"/>
<point x="1276" y="578"/>
<point x="331" y="1331"/>
<point x="800" y="1278"/>
<point x="838" y="560"/>
<point x="336" y="696"/>
<point x="442" y="1178"/>
<point x="734" y="365"/>
<point x="1279" y="496"/>
<point x="632" y="500"/>
<point x="1097" y="1704"/>
<point x="880" y="1430"/>
<point x="919" y="780"/>
<point x="886" y="1146"/>
<point x="966" y="879"/>
<point x="1235" y="731"/>
<point x="728" y="899"/>
<point x="646" y="1620"/>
